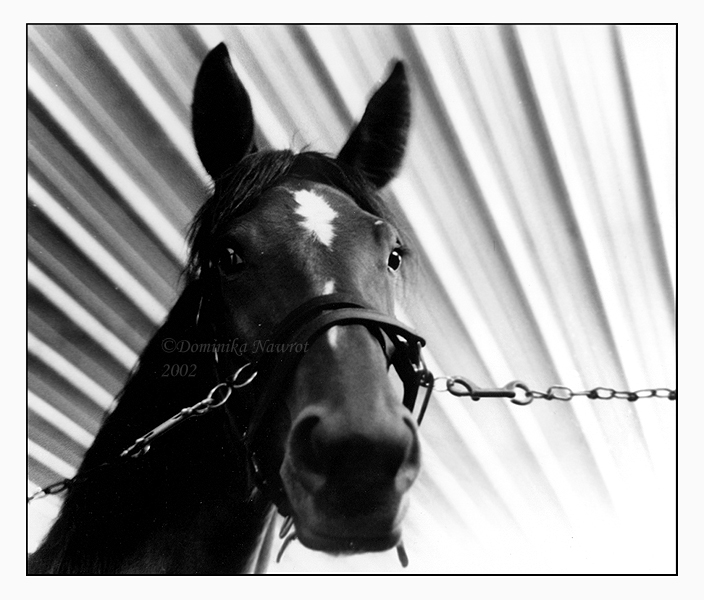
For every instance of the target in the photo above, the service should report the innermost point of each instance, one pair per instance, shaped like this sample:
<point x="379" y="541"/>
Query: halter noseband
<point x="289" y="341"/>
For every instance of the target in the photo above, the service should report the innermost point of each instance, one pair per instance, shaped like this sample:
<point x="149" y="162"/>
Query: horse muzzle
<point x="351" y="455"/>
<point x="353" y="449"/>
<point x="347" y="486"/>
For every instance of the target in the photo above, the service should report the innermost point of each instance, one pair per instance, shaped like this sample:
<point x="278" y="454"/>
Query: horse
<point x="286" y="316"/>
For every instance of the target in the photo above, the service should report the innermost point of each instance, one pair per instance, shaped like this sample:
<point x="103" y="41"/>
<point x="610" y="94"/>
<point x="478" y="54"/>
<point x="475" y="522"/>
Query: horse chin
<point x="347" y="545"/>
<point x="336" y="527"/>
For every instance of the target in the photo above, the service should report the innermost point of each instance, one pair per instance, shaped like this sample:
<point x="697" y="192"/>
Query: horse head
<point x="280" y="231"/>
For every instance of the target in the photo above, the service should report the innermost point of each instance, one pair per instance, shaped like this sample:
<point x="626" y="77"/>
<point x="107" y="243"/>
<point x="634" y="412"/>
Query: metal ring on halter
<point x="223" y="400"/>
<point x="233" y="378"/>
<point x="448" y="382"/>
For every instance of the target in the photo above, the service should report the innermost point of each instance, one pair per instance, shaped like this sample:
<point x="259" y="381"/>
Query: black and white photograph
<point x="351" y="299"/>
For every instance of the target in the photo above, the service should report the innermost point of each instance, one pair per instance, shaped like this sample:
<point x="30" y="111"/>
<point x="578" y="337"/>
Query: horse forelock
<point x="238" y="190"/>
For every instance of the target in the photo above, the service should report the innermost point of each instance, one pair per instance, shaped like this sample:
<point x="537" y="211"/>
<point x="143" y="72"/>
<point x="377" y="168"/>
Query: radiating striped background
<point x="540" y="189"/>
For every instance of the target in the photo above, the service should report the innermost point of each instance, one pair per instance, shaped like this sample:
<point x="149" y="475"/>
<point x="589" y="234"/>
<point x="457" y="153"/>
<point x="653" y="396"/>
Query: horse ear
<point x="223" y="123"/>
<point x="377" y="144"/>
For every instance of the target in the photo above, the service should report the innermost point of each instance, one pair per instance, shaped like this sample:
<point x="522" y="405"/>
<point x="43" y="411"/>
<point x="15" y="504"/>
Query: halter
<point x="260" y="382"/>
<point x="267" y="373"/>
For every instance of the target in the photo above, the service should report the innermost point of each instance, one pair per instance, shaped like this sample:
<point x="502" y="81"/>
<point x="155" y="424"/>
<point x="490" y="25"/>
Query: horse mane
<point x="237" y="190"/>
<point x="133" y="504"/>
<point x="107" y="519"/>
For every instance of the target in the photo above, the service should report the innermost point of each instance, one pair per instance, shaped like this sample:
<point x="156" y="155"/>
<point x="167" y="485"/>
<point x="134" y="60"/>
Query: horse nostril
<point x="302" y="447"/>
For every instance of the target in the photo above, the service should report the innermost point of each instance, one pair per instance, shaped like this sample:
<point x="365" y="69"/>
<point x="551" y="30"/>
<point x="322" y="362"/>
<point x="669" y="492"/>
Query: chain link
<point x="462" y="387"/>
<point x="142" y="445"/>
<point x="216" y="397"/>
<point x="455" y="385"/>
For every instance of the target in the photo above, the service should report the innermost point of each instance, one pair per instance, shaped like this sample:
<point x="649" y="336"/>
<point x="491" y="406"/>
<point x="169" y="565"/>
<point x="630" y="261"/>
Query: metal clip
<point x="459" y="386"/>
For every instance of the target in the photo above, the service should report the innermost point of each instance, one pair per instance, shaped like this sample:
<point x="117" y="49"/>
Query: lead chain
<point x="559" y="392"/>
<point x="462" y="387"/>
<point x="142" y="444"/>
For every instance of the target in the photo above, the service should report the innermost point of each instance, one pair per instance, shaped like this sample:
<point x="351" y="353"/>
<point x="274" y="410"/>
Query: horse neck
<point x="186" y="506"/>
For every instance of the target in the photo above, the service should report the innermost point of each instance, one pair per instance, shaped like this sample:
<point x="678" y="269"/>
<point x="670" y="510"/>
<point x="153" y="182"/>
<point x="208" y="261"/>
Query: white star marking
<point x="317" y="214"/>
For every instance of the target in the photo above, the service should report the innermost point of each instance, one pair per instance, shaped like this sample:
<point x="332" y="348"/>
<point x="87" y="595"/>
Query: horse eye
<point x="394" y="262"/>
<point x="229" y="260"/>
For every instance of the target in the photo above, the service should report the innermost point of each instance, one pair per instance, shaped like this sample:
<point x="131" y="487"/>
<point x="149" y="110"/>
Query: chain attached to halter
<point x="455" y="385"/>
<point x="217" y="397"/>
<point x="462" y="387"/>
